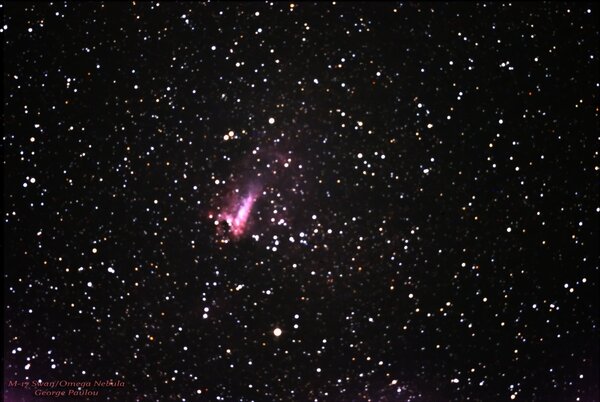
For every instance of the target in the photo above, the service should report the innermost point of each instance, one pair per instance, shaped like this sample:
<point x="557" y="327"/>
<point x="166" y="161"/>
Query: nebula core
<point x="236" y="214"/>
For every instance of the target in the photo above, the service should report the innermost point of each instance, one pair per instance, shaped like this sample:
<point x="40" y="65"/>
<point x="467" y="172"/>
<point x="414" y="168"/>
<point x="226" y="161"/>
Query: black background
<point x="407" y="284"/>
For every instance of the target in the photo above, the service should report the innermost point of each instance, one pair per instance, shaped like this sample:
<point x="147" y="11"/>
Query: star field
<point x="301" y="201"/>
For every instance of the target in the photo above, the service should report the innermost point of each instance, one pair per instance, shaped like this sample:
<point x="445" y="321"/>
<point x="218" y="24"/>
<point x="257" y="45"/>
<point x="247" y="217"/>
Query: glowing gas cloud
<point x="261" y="191"/>
<point x="237" y="214"/>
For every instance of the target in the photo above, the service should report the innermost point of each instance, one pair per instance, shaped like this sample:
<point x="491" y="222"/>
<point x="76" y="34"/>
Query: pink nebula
<point x="238" y="213"/>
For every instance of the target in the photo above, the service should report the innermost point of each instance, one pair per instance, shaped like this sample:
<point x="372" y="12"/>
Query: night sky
<point x="301" y="202"/>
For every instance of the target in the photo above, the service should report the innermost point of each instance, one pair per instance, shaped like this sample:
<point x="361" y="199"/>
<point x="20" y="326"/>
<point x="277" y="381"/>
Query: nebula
<point x="232" y="211"/>
<point x="236" y="215"/>
<point x="262" y="193"/>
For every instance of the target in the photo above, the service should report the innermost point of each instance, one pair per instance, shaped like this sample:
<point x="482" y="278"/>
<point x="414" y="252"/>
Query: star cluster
<point x="279" y="201"/>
